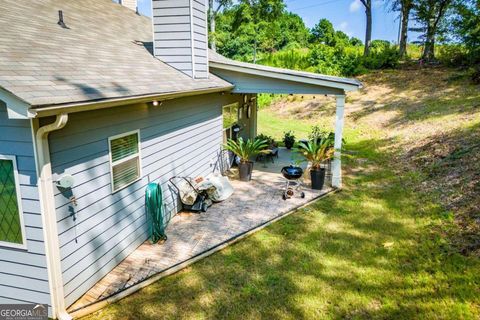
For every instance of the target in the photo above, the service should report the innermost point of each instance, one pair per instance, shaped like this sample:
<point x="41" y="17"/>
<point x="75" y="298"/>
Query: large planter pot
<point x="318" y="178"/>
<point x="245" y="170"/>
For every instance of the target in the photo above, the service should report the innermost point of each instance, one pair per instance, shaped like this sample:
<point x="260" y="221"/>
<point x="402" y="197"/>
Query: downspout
<point x="47" y="203"/>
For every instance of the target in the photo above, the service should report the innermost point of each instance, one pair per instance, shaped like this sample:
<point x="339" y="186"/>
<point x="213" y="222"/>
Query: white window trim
<point x="114" y="163"/>
<point x="22" y="245"/>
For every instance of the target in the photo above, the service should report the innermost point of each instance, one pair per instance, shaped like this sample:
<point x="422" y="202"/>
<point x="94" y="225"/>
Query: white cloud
<point x="343" y="26"/>
<point x="355" y="6"/>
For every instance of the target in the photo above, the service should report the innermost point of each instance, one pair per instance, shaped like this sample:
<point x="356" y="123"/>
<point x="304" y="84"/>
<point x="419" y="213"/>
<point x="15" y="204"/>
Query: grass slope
<point x="376" y="250"/>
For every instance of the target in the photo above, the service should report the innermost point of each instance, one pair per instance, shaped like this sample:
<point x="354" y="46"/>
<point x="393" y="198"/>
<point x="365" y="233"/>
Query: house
<point x="96" y="101"/>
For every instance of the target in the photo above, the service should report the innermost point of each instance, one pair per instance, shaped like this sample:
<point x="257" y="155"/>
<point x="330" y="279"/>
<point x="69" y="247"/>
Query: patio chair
<point x="269" y="155"/>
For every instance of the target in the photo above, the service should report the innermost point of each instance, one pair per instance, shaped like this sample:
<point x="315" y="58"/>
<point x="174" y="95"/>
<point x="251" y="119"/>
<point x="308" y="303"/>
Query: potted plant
<point x="269" y="141"/>
<point x="288" y="139"/>
<point x="317" y="151"/>
<point x="245" y="150"/>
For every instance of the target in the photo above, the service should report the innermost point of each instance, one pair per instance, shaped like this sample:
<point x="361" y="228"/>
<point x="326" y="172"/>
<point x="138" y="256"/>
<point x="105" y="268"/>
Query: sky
<point x="345" y="15"/>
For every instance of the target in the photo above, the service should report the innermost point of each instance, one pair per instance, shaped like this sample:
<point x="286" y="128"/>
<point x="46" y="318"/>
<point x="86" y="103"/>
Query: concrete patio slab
<point x="191" y="235"/>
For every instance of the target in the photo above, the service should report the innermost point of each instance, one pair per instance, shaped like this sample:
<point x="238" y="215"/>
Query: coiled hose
<point x="155" y="212"/>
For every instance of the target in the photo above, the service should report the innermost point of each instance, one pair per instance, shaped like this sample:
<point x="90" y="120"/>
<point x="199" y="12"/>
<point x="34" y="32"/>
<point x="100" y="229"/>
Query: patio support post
<point x="337" y="161"/>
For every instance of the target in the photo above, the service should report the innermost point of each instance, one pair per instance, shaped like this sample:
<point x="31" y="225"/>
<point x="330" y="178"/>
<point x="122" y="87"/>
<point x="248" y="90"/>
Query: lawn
<point x="379" y="249"/>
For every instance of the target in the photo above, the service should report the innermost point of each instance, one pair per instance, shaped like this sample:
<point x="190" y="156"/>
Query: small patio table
<point x="268" y="154"/>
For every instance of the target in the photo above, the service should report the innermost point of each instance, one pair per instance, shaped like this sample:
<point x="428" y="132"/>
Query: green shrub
<point x="295" y="59"/>
<point x="453" y="55"/>
<point x="268" y="140"/>
<point x="266" y="99"/>
<point x="382" y="57"/>
<point x="379" y="44"/>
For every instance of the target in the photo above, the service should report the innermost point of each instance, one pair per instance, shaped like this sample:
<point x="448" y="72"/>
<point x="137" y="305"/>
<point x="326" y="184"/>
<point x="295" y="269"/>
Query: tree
<point x="355" y="42"/>
<point x="429" y="13"/>
<point x="341" y="38"/>
<point x="323" y="33"/>
<point x="212" y="15"/>
<point x="466" y="26"/>
<point x="253" y="27"/>
<point x="404" y="7"/>
<point x="292" y="31"/>
<point x="260" y="14"/>
<point x="368" y="30"/>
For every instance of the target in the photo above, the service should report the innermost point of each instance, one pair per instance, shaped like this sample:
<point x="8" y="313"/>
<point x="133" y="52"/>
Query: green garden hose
<point x="155" y="213"/>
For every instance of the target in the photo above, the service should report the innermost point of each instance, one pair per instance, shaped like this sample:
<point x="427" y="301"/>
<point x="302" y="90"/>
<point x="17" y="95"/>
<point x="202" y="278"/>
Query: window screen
<point x="10" y="213"/>
<point x="125" y="160"/>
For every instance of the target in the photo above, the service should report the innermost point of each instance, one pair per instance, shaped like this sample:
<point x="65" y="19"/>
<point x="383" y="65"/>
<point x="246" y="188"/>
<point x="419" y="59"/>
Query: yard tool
<point x="217" y="187"/>
<point x="155" y="212"/>
<point x="293" y="184"/>
<point x="192" y="198"/>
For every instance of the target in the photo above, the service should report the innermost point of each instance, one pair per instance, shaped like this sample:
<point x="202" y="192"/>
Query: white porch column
<point x="337" y="162"/>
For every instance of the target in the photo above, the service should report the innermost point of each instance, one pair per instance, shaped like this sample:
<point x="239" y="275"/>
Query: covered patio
<point x="253" y="206"/>
<point x="251" y="78"/>
<point x="191" y="236"/>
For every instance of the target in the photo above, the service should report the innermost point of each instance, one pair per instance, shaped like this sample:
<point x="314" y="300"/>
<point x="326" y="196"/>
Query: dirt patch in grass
<point x="304" y="106"/>
<point x="432" y="117"/>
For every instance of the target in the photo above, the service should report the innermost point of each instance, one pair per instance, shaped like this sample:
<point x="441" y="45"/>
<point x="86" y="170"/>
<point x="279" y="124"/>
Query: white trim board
<point x="285" y="74"/>
<point x="16" y="107"/>
<point x="136" y="155"/>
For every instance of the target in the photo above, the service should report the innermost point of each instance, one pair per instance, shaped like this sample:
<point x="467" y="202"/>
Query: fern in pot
<point x="245" y="150"/>
<point x="316" y="152"/>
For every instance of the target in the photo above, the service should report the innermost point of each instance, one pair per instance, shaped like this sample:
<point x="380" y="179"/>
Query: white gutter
<point x="50" y="110"/>
<point x="47" y="204"/>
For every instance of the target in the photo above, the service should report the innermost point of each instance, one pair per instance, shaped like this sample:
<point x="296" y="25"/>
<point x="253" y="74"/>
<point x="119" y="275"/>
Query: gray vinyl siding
<point x="23" y="273"/>
<point x="180" y="137"/>
<point x="180" y="35"/>
<point x="200" y="39"/>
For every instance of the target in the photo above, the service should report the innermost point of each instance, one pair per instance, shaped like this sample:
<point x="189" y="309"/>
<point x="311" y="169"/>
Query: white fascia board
<point x="285" y="76"/>
<point x="16" y="108"/>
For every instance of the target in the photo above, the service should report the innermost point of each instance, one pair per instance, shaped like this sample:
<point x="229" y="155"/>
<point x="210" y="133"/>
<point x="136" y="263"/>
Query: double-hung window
<point x="12" y="231"/>
<point x="125" y="159"/>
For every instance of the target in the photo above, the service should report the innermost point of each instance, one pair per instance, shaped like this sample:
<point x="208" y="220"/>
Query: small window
<point x="12" y="233"/>
<point x="125" y="159"/>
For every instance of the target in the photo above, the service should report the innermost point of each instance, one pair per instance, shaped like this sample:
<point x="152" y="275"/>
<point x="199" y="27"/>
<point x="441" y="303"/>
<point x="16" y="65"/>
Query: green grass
<point x="368" y="252"/>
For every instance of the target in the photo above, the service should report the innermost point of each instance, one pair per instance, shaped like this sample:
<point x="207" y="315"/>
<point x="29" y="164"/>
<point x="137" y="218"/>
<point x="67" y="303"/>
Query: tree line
<point x="256" y="30"/>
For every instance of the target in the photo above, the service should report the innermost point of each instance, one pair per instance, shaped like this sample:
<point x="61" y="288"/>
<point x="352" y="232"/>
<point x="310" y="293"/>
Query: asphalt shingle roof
<point x="104" y="54"/>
